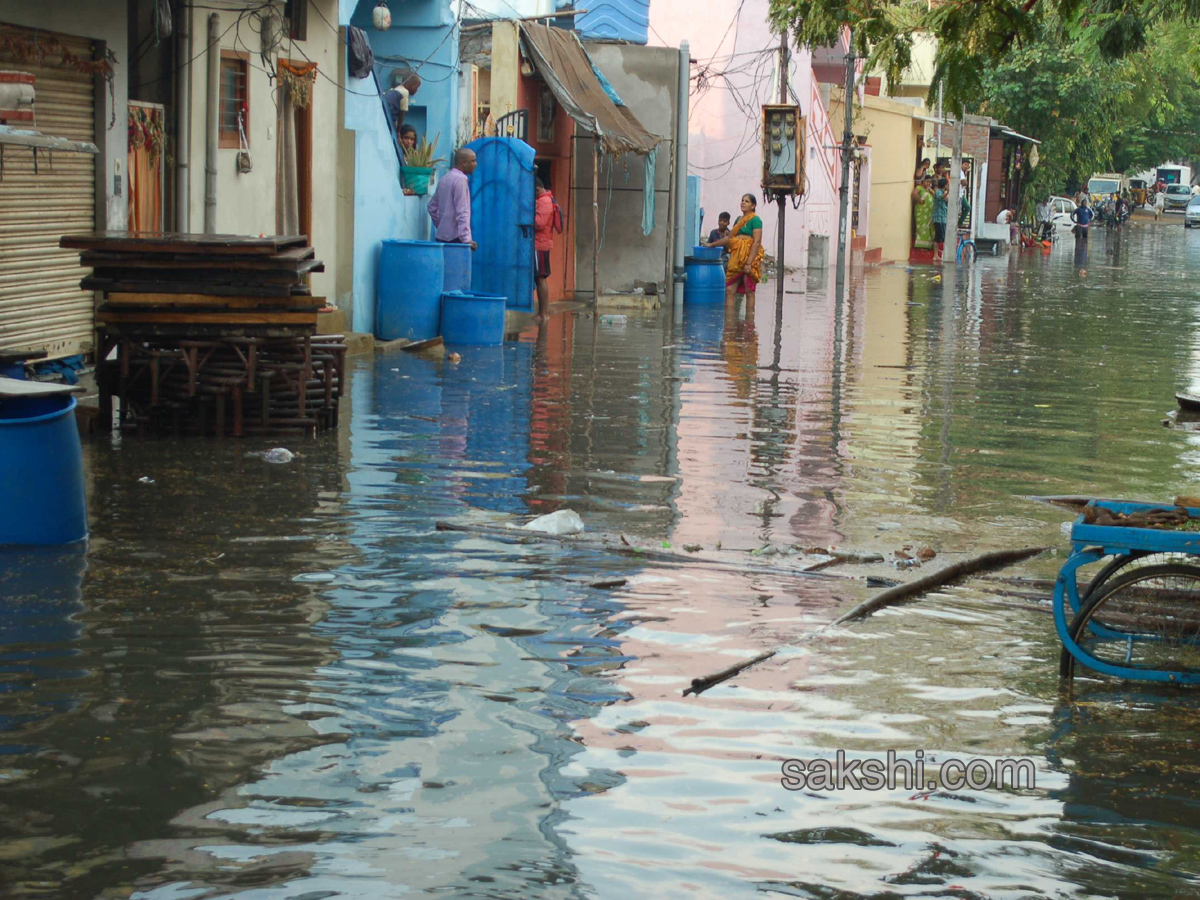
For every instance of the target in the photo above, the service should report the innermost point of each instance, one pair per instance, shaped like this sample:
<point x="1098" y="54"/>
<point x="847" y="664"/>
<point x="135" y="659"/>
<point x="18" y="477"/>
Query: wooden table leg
<point x="123" y="355"/>
<point x="104" y="373"/>
<point x="237" y="411"/>
<point x="305" y="374"/>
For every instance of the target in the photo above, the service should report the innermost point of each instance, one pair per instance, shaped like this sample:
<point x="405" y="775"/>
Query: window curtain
<point x="287" y="179"/>
<point x="144" y="167"/>
<point x="295" y="93"/>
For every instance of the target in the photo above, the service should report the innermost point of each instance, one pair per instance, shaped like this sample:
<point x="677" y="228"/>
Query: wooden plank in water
<point x="1190" y="402"/>
<point x="205" y="318"/>
<point x="18" y="387"/>
<point x="278" y="263"/>
<point x="139" y="300"/>
<point x="111" y="286"/>
<point x="173" y="242"/>
<point x="198" y="277"/>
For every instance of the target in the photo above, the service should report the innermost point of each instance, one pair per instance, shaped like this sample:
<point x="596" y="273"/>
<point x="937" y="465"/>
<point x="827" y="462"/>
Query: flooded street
<point x="282" y="682"/>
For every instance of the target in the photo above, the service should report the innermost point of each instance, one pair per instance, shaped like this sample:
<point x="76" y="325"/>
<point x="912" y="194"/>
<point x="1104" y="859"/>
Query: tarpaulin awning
<point x="584" y="93"/>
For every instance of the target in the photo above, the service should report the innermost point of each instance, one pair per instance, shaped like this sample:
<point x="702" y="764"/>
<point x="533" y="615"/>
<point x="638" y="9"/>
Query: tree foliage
<point x="974" y="35"/>
<point x="1104" y="84"/>
<point x="1094" y="113"/>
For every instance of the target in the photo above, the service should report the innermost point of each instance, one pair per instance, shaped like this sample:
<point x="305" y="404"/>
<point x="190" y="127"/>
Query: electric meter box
<point x="783" y="149"/>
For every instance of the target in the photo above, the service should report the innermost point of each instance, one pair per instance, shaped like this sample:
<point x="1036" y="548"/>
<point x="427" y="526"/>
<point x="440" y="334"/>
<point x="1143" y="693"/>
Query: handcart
<point x="1138" y="618"/>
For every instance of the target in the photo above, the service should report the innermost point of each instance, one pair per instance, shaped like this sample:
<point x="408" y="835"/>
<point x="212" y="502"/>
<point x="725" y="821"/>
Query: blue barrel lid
<point x="473" y="295"/>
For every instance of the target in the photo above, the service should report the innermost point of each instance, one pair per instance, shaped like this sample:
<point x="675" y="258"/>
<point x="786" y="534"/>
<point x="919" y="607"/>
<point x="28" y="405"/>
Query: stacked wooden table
<point x="214" y="334"/>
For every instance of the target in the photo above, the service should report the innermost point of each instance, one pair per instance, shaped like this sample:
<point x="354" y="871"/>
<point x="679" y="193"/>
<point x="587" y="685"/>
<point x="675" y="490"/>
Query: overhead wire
<point x="749" y="106"/>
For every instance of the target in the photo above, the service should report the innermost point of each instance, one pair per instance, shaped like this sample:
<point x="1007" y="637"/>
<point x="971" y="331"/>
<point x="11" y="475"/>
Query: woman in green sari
<point x="922" y="198"/>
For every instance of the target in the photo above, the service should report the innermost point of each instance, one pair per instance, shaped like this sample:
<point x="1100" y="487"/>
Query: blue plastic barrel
<point x="705" y="280"/>
<point x="458" y="267"/>
<point x="707" y="252"/>
<point x="409" y="290"/>
<point x="704" y="324"/>
<point x="473" y="318"/>
<point x="41" y="471"/>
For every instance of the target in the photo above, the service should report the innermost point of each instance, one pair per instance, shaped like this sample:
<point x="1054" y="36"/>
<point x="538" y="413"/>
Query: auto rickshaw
<point x="1139" y="191"/>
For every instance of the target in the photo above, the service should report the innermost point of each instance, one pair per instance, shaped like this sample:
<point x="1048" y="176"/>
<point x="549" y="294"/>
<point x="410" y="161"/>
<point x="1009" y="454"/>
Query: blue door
<point x="502" y="206"/>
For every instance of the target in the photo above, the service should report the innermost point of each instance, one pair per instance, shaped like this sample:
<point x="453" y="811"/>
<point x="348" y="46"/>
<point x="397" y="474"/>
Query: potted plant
<point x="419" y="163"/>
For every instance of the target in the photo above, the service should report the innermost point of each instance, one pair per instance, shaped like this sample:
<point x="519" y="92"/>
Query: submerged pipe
<point x="681" y="173"/>
<point x="210" y="125"/>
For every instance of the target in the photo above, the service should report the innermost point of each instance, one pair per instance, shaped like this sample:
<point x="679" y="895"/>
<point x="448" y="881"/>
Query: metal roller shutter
<point x="41" y="305"/>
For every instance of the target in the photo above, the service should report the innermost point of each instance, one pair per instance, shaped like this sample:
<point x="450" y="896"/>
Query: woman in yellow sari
<point x="744" y="271"/>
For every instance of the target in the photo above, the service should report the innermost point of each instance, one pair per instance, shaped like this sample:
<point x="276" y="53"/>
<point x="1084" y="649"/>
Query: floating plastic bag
<point x="278" y="455"/>
<point x="564" y="521"/>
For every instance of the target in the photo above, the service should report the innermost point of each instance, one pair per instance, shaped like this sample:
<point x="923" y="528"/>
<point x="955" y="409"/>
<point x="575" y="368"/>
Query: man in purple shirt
<point x="450" y="207"/>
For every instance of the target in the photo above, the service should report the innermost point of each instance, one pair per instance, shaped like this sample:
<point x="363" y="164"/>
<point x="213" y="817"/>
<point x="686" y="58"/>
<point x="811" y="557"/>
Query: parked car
<point x="1063" y="207"/>
<point x="1178" y="196"/>
<point x="1191" y="215"/>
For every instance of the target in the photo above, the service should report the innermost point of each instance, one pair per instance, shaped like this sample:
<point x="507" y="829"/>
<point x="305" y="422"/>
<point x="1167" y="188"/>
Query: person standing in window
<point x="408" y="140"/>
<point x="396" y="100"/>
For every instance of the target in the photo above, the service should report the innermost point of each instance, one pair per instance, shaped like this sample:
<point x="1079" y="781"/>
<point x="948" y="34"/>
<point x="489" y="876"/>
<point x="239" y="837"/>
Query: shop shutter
<point x="41" y="305"/>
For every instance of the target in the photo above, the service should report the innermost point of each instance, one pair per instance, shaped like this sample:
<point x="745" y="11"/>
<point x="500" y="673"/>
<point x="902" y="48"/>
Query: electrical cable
<point x="180" y="68"/>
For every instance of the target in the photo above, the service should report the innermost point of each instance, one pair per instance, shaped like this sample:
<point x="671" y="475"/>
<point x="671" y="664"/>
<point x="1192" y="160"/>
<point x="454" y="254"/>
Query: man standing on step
<point x="450" y="207"/>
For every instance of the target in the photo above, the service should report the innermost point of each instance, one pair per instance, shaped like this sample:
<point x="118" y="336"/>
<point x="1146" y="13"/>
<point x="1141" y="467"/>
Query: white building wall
<point x="738" y="59"/>
<point x="246" y="203"/>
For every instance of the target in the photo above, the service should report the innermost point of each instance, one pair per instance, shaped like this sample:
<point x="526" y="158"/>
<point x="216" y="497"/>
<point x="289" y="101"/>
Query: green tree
<point x="1070" y="99"/>
<point x="1094" y="113"/>
<point x="975" y="35"/>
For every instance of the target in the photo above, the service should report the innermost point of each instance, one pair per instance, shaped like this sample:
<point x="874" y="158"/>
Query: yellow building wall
<point x="892" y="132"/>
<point x="506" y="67"/>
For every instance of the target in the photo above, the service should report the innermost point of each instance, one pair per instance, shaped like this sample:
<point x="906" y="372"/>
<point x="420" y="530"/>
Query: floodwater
<point x="281" y="682"/>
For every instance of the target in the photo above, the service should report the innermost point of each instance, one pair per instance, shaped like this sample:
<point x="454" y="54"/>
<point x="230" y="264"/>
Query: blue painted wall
<point x="423" y="37"/>
<point x="626" y="20"/>
<point x="421" y="30"/>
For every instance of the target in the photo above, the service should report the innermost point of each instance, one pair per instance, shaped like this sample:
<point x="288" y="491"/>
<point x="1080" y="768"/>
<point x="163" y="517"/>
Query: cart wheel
<point x="1147" y="618"/>
<point x="1125" y="563"/>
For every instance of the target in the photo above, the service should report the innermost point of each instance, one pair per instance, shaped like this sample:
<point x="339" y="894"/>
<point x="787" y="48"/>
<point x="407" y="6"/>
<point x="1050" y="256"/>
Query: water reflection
<point x="285" y="682"/>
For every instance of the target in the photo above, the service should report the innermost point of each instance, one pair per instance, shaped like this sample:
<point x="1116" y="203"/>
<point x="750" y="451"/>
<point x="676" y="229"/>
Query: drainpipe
<point x="210" y="125"/>
<point x="681" y="173"/>
<point x="183" y="117"/>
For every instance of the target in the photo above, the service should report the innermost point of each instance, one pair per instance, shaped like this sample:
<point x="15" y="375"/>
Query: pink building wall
<point x="724" y="148"/>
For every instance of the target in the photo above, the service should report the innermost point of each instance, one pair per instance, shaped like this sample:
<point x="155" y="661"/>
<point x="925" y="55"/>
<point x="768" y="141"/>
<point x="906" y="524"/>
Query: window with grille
<point x="296" y="13"/>
<point x="235" y="99"/>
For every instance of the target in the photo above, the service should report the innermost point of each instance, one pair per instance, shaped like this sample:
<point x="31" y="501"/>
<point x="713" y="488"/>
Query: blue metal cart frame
<point x="1092" y="543"/>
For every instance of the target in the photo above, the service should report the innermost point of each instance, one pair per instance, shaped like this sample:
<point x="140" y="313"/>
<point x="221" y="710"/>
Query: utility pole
<point x="955" y="187"/>
<point x="781" y="198"/>
<point x="847" y="143"/>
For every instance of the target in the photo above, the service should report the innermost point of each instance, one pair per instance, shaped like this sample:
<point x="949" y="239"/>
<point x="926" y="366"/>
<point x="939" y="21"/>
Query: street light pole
<point x="847" y="142"/>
